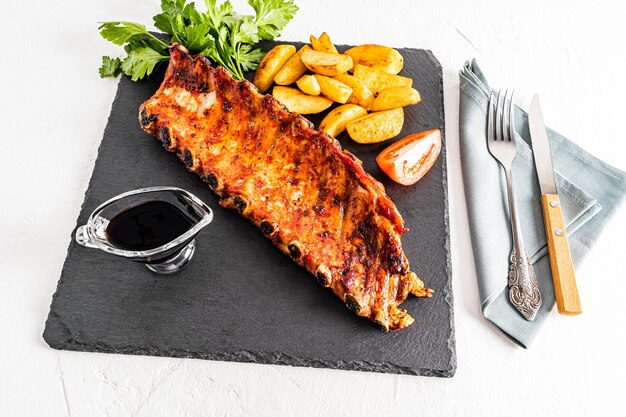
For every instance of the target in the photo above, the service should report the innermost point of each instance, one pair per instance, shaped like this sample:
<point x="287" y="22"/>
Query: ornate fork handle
<point x="523" y="288"/>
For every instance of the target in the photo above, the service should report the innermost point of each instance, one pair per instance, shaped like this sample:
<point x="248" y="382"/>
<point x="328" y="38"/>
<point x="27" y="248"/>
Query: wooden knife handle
<point x="565" y="290"/>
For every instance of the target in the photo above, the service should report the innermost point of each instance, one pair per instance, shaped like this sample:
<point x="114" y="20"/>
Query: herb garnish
<point x="221" y="34"/>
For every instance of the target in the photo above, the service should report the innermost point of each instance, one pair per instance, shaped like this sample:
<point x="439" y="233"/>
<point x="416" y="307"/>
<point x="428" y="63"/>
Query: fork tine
<point x="499" y="117"/>
<point x="506" y="106"/>
<point x="512" y="117"/>
<point x="490" y="117"/>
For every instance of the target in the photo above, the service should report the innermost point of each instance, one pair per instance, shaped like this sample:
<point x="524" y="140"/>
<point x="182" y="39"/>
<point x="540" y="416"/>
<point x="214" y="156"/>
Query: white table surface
<point x="53" y="110"/>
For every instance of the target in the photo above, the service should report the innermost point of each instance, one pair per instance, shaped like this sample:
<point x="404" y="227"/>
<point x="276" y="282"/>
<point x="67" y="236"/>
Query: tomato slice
<point x="410" y="158"/>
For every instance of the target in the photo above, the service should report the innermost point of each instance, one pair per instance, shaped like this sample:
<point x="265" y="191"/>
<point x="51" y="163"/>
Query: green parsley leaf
<point x="163" y="22"/>
<point x="141" y="61"/>
<point x="192" y="14"/>
<point x="244" y="31"/>
<point x="196" y="38"/>
<point x="170" y="8"/>
<point x="272" y="16"/>
<point x="110" y="67"/>
<point x="215" y="14"/>
<point x="121" y="32"/>
<point x="248" y="58"/>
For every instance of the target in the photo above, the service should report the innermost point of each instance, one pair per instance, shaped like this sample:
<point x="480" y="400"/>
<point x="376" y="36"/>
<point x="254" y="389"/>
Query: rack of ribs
<point x="312" y="199"/>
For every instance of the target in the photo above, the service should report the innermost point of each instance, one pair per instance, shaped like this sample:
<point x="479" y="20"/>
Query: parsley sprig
<point x="219" y="33"/>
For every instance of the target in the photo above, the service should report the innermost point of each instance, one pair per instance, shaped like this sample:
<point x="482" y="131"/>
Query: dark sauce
<point x="148" y="225"/>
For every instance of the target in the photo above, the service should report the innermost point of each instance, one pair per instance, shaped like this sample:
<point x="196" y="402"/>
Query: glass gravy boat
<point x="131" y="224"/>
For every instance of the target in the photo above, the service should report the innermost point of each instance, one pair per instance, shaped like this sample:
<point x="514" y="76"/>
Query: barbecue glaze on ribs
<point x="311" y="199"/>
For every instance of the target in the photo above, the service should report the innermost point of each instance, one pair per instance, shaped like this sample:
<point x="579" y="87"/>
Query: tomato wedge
<point x="409" y="159"/>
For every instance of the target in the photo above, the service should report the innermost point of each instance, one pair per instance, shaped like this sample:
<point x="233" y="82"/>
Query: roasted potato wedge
<point x="298" y="102"/>
<point x="361" y="95"/>
<point x="378" y="80"/>
<point x="325" y="63"/>
<point x="292" y="70"/>
<point x="335" y="122"/>
<point x="323" y="44"/>
<point x="271" y="63"/>
<point x="376" y="127"/>
<point x="308" y="84"/>
<point x="333" y="89"/>
<point x="377" y="56"/>
<point x="394" y="97"/>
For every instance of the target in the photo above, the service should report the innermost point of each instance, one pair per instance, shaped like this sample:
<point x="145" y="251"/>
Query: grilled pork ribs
<point x="311" y="199"/>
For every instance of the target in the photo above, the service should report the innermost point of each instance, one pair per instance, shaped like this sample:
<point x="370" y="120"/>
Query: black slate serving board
<point x="240" y="299"/>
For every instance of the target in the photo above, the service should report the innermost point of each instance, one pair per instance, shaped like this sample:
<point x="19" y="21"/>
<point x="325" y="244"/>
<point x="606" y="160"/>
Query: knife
<point x="565" y="290"/>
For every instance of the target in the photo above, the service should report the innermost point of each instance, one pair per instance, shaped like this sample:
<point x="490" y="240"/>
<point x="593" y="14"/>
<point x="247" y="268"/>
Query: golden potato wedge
<point x="396" y="97"/>
<point x="298" y="102"/>
<point x="378" y="80"/>
<point x="323" y="44"/>
<point x="308" y="84"/>
<point x="335" y="122"/>
<point x="361" y="95"/>
<point x="292" y="70"/>
<point x="325" y="63"/>
<point x="376" y="127"/>
<point x="378" y="56"/>
<point x="271" y="63"/>
<point x="333" y="89"/>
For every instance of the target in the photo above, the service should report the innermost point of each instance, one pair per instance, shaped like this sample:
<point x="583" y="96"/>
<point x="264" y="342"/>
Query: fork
<point x="523" y="288"/>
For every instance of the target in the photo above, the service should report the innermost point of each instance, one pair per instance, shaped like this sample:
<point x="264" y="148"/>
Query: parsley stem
<point x="163" y="44"/>
<point x="232" y="66"/>
<point x="238" y="61"/>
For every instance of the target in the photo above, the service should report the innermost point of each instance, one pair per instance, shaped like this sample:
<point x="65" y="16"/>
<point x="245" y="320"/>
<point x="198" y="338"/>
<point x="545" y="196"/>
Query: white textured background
<point x="53" y="109"/>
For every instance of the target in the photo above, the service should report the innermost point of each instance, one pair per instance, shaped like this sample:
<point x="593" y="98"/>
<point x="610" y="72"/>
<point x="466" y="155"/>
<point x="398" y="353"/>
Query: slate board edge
<point x="54" y="326"/>
<point x="264" y="358"/>
<point x="48" y="333"/>
<point x="448" y="293"/>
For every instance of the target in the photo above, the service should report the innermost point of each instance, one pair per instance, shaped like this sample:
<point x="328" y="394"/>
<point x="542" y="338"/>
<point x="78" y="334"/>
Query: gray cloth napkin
<point x="590" y="191"/>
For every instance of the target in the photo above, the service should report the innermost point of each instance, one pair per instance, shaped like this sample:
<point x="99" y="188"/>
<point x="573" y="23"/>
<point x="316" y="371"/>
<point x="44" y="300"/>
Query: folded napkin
<point x="590" y="191"/>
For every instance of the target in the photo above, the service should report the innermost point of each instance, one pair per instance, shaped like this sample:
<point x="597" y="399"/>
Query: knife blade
<point x="565" y="289"/>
